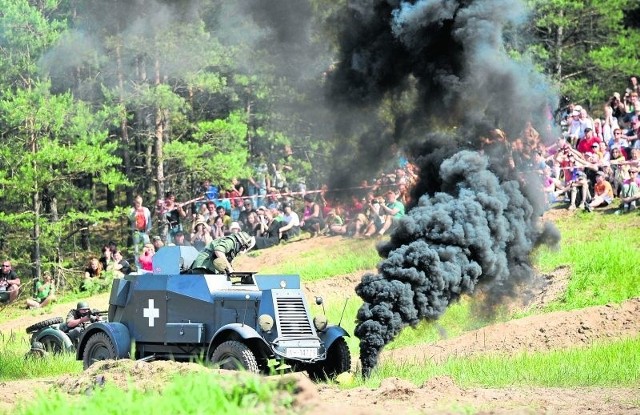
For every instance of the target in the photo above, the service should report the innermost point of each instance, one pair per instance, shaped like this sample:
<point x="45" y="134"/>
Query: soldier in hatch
<point x="217" y="256"/>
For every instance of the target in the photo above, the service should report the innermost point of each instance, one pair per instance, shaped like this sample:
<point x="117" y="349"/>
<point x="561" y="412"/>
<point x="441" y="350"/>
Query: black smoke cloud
<point x="477" y="219"/>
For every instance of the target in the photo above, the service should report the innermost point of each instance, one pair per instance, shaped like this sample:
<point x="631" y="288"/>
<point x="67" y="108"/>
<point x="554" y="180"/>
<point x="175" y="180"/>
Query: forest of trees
<point x="101" y="100"/>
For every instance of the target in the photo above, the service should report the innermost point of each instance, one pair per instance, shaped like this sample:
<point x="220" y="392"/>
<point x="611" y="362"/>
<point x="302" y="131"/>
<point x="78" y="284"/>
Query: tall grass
<point x="614" y="364"/>
<point x="14" y="364"/>
<point x="197" y="393"/>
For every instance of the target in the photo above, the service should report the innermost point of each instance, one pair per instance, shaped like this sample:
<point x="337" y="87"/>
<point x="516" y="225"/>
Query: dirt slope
<point x="438" y="395"/>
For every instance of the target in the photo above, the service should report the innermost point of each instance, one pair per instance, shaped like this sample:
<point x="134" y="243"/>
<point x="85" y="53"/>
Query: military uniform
<point x="230" y="246"/>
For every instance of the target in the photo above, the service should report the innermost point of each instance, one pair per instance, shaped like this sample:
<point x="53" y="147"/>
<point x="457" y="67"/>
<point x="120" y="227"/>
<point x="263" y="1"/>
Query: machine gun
<point x="96" y="315"/>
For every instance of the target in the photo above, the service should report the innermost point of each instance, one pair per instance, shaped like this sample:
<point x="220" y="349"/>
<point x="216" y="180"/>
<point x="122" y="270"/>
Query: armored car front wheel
<point x="99" y="347"/>
<point x="234" y="355"/>
<point x="338" y="361"/>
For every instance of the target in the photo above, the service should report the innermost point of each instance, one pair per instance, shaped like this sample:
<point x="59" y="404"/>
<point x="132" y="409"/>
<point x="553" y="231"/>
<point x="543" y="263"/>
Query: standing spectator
<point x="312" y="217"/>
<point x="291" y="224"/>
<point x="172" y="216"/>
<point x="9" y="281"/>
<point x="45" y="292"/>
<point x="235" y="196"/>
<point x="140" y="219"/>
<point x="259" y="181"/>
<point x="603" y="193"/>
<point x="209" y="191"/>
<point x="393" y="211"/>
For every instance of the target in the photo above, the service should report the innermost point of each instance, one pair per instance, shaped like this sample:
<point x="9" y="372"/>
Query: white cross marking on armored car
<point x="151" y="313"/>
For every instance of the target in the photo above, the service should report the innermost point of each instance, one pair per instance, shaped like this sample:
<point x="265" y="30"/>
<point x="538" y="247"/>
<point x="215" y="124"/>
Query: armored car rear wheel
<point x="44" y="323"/>
<point x="99" y="347"/>
<point x="234" y="355"/>
<point x="338" y="361"/>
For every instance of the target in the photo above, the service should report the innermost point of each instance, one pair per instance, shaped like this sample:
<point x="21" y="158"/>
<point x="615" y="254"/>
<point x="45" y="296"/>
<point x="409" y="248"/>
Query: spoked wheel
<point x="99" y="347"/>
<point x="234" y="355"/>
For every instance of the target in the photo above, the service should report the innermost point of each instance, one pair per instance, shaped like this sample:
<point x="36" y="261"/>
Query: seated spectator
<point x="243" y="217"/>
<point x="93" y="269"/>
<point x="45" y="292"/>
<point x="335" y="218"/>
<point x="376" y="218"/>
<point x="9" y="281"/>
<point x="630" y="193"/>
<point x="146" y="259"/>
<point x="157" y="243"/>
<point x="211" y="213"/>
<point x="291" y="224"/>
<point x="254" y="226"/>
<point x="235" y="227"/>
<point x="270" y="233"/>
<point x="180" y="240"/>
<point x="603" y="193"/>
<point x="201" y="234"/>
<point x="122" y="266"/>
<point x="218" y="230"/>
<point x="106" y="259"/>
<point x="393" y="210"/>
<point x="222" y="213"/>
<point x="312" y="221"/>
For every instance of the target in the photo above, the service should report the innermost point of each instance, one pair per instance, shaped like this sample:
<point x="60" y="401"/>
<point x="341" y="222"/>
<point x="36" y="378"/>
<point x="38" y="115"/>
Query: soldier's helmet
<point x="247" y="241"/>
<point x="82" y="305"/>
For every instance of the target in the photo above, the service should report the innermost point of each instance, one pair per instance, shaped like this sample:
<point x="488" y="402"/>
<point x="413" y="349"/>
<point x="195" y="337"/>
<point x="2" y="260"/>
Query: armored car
<point x="239" y="321"/>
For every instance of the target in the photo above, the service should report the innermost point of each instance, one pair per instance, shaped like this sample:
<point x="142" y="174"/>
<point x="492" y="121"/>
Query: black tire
<point x="44" y="323"/>
<point x="338" y="361"/>
<point x="99" y="347"/>
<point x="55" y="341"/>
<point x="234" y="355"/>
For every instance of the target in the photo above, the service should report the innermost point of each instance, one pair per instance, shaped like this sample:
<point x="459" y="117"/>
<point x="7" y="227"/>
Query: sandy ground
<point x="438" y="395"/>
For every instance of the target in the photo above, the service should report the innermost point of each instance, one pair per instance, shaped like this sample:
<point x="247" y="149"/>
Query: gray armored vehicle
<point x="239" y="321"/>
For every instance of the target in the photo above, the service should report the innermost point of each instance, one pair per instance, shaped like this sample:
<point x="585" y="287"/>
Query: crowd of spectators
<point x="596" y="160"/>
<point x="592" y="163"/>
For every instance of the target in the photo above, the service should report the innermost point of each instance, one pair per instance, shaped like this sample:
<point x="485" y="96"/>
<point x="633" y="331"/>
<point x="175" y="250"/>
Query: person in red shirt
<point x="586" y="144"/>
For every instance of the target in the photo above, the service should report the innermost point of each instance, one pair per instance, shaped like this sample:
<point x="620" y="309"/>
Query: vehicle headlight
<point x="265" y="321"/>
<point x="320" y="322"/>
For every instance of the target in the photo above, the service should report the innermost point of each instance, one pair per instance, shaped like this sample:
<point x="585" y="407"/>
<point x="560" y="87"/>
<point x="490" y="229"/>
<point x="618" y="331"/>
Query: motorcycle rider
<point x="77" y="320"/>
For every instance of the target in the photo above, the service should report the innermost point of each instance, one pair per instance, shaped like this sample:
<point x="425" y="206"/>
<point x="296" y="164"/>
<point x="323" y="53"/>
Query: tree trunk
<point x="124" y="126"/>
<point x="159" y="141"/>
<point x="36" y="203"/>
<point x="559" y="44"/>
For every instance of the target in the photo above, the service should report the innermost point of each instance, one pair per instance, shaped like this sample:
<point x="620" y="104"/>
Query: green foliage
<point x="203" y="393"/>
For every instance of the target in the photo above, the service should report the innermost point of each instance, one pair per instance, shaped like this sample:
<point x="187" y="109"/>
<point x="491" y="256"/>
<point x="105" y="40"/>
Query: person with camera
<point x="44" y="292"/>
<point x="9" y="283"/>
<point x="77" y="321"/>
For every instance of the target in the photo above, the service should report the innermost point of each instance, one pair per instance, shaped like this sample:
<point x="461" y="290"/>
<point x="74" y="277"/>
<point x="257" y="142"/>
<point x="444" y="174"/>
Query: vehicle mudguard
<point x="332" y="333"/>
<point x="117" y="332"/>
<point x="66" y="342"/>
<point x="242" y="330"/>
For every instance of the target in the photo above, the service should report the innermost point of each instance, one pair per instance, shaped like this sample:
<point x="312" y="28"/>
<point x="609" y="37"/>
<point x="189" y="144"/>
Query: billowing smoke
<point x="441" y="68"/>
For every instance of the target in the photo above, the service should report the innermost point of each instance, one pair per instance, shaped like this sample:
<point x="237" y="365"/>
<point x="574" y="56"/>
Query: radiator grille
<point x="292" y="317"/>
